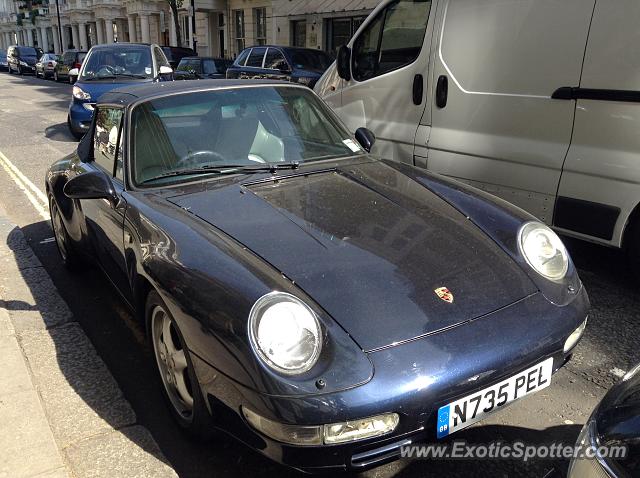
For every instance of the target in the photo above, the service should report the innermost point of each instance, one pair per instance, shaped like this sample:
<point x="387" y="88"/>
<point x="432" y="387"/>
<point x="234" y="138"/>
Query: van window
<point x="392" y="40"/>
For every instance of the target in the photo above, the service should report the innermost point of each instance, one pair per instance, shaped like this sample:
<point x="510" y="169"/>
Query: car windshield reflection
<point x="247" y="129"/>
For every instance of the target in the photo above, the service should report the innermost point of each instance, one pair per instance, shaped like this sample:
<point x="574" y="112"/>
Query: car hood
<point x="99" y="87"/>
<point x="29" y="60"/>
<point x="370" y="246"/>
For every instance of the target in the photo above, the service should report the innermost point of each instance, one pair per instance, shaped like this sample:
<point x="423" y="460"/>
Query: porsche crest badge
<point x="444" y="294"/>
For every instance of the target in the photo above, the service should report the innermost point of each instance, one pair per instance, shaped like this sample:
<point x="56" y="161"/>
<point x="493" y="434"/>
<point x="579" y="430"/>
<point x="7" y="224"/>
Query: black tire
<point x="632" y="248"/>
<point x="10" y="70"/>
<point x="198" y="422"/>
<point x="70" y="258"/>
<point x="20" y="70"/>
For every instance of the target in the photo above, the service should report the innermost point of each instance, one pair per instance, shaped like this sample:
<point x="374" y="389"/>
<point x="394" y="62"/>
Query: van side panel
<point x="603" y="163"/>
<point x="500" y="129"/>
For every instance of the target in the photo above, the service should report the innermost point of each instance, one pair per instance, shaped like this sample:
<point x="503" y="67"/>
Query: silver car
<point x="46" y="65"/>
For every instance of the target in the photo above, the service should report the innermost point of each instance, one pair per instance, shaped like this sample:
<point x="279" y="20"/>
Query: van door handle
<point x="442" y="91"/>
<point x="418" y="89"/>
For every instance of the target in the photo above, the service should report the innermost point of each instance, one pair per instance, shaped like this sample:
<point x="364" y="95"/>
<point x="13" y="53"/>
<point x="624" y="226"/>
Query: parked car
<point x="277" y="265"/>
<point x="22" y="59"/>
<point x="527" y="112"/>
<point x="614" y="423"/>
<point x="70" y="60"/>
<point x="107" y="67"/>
<point x="176" y="53"/>
<point x="300" y="65"/>
<point x="46" y="65"/>
<point x="200" y="68"/>
<point x="4" y="66"/>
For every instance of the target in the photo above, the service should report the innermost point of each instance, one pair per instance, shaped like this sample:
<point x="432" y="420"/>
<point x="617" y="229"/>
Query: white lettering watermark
<point x="461" y="450"/>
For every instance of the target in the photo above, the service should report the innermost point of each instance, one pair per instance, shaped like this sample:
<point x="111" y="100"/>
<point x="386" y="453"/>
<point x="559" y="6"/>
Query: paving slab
<point x="27" y="447"/>
<point x="81" y="397"/>
<point x="14" y="375"/>
<point x="127" y="453"/>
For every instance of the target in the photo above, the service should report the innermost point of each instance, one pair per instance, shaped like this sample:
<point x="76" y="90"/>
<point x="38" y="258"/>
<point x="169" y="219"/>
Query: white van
<point x="535" y="101"/>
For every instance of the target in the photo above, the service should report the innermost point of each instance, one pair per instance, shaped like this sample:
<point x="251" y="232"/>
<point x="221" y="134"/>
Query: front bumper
<point x="80" y="116"/>
<point x="412" y="379"/>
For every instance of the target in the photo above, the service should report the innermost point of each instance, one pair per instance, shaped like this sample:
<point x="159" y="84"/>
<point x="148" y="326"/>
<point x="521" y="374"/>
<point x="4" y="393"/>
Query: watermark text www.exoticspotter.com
<point x="461" y="450"/>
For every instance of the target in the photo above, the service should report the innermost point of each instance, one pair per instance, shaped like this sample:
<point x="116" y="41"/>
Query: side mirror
<point x="73" y="72"/>
<point x="92" y="185"/>
<point x="343" y="62"/>
<point x="165" y="70"/>
<point x="366" y="138"/>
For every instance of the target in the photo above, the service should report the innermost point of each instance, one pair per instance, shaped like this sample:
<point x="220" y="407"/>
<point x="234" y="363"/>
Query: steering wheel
<point x="205" y="156"/>
<point x="110" y="69"/>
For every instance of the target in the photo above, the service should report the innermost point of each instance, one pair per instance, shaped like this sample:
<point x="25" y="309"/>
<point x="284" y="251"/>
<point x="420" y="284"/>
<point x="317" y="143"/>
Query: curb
<point x="77" y="422"/>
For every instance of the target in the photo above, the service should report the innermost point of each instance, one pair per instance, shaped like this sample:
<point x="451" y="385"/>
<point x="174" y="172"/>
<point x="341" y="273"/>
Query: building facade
<point x="222" y="27"/>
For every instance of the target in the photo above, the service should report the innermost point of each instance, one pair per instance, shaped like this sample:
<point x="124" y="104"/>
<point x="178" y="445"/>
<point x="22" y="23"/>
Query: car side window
<point x="255" y="59"/>
<point x="209" y="67"/>
<point x="275" y="59"/>
<point x="243" y="57"/>
<point x="159" y="58"/>
<point x="105" y="137"/>
<point x="392" y="40"/>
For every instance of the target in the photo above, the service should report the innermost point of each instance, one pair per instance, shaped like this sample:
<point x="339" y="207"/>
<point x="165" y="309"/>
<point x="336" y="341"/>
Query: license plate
<point x="463" y="412"/>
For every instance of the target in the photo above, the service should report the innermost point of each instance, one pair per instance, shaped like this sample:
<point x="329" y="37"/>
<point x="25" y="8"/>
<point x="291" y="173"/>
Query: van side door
<point x="600" y="185"/>
<point x="494" y="122"/>
<point x="389" y="64"/>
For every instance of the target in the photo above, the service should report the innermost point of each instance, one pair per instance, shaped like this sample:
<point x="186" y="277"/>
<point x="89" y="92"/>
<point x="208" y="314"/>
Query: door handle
<point x="418" y="89"/>
<point x="442" y="91"/>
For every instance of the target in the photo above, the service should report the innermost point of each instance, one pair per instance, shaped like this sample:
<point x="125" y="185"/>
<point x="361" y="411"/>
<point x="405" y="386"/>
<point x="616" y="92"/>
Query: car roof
<point x="130" y="94"/>
<point x="108" y="46"/>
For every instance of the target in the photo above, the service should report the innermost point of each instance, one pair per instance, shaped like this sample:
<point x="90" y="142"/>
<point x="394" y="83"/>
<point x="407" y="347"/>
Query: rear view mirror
<point x="165" y="70"/>
<point x="343" y="63"/>
<point x="73" y="72"/>
<point x="366" y="138"/>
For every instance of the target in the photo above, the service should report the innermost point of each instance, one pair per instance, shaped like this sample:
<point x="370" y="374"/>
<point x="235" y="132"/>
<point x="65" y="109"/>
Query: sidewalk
<point x="62" y="413"/>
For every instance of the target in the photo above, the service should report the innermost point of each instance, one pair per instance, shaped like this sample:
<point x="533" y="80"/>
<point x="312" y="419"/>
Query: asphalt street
<point x="33" y="134"/>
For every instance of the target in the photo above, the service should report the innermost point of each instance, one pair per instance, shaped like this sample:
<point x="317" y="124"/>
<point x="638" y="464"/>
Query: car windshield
<point x="310" y="60"/>
<point x="104" y="63"/>
<point x="27" y="51"/>
<point x="246" y="127"/>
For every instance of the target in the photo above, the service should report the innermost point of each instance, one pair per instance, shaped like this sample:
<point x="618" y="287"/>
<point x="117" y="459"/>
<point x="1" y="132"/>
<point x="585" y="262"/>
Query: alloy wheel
<point x="59" y="231"/>
<point x="172" y="362"/>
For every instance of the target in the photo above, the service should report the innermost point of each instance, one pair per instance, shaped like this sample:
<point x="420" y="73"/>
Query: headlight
<point x="80" y="94"/>
<point x="543" y="250"/>
<point x="23" y="63"/>
<point x="285" y="333"/>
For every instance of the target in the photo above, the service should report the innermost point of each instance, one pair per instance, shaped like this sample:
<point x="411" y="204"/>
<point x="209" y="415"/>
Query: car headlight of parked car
<point x="285" y="333"/>
<point x="543" y="250"/>
<point x="80" y="94"/>
<point x="23" y="63"/>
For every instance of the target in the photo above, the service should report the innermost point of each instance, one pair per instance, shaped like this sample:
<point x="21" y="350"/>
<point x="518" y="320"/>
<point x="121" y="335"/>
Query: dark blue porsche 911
<point x="321" y="305"/>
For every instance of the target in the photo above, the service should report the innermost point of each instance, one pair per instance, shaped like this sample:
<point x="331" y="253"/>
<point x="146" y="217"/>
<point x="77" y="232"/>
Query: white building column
<point x="82" y="33"/>
<point x="99" y="34"/>
<point x="56" y="39"/>
<point x="145" y="31"/>
<point x="120" y="30"/>
<point x="191" y="31"/>
<point x="173" y="37"/>
<point x="29" y="33"/>
<point x="38" y="37"/>
<point x="132" y="28"/>
<point x="108" y="27"/>
<point x="45" y="39"/>
<point x="65" y="39"/>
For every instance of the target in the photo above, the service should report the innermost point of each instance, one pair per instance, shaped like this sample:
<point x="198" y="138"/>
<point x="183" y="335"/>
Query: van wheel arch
<point x="631" y="240"/>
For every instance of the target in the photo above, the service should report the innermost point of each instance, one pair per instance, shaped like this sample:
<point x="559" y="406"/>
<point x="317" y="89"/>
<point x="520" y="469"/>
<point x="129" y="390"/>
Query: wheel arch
<point x="632" y="222"/>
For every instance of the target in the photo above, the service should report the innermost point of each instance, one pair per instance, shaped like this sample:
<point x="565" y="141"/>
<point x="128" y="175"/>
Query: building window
<point x="340" y="31"/>
<point x="238" y="18"/>
<point x="299" y="33"/>
<point x="260" y="18"/>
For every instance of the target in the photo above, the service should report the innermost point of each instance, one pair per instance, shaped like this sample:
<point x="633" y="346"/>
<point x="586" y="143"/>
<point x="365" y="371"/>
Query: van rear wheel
<point x="632" y="248"/>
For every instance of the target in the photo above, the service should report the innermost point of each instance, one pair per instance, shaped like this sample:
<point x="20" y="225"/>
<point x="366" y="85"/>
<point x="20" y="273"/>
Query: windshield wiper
<point x="230" y="169"/>
<point x="131" y="75"/>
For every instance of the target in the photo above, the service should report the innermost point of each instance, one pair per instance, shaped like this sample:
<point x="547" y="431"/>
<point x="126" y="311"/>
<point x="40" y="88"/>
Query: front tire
<point x="69" y="256"/>
<point x="172" y="359"/>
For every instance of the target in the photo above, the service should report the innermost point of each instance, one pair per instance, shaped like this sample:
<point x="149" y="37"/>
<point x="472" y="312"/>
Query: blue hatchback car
<point x="108" y="67"/>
